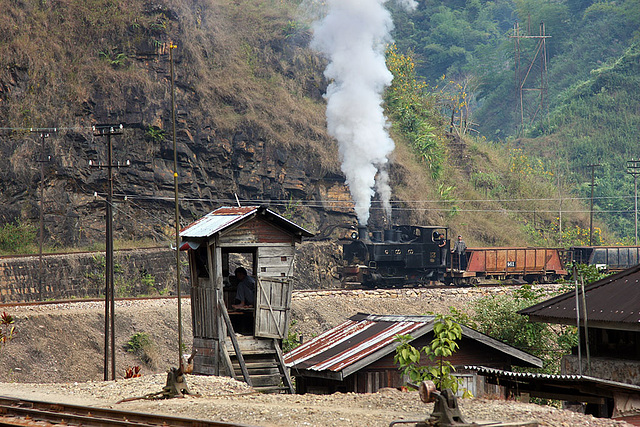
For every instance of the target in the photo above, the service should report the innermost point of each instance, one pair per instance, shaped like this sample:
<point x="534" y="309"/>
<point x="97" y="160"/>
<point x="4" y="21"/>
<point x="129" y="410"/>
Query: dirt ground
<point x="57" y="355"/>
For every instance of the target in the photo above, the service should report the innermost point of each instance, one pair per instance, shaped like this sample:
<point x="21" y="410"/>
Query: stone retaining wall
<point x="136" y="272"/>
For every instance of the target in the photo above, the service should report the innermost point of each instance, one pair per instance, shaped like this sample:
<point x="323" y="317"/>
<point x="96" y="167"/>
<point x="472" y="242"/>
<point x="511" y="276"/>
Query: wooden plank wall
<point x="256" y="231"/>
<point x="275" y="261"/>
<point x="275" y="270"/>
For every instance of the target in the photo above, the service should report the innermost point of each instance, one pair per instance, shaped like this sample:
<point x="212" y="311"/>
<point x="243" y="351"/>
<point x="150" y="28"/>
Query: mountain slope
<point x="250" y="122"/>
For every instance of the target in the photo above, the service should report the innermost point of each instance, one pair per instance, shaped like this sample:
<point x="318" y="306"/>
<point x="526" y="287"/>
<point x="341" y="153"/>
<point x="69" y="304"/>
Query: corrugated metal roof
<point x="347" y="343"/>
<point x="226" y="216"/>
<point x="363" y="335"/>
<point x="613" y="299"/>
<point x="550" y="378"/>
<point x="215" y="221"/>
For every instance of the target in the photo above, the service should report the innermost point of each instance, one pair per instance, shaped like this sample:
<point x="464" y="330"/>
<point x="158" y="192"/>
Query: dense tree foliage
<point x="497" y="316"/>
<point x="593" y="92"/>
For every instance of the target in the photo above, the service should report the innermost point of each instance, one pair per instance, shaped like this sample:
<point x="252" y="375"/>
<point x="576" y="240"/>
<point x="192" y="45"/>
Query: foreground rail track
<point x="21" y="412"/>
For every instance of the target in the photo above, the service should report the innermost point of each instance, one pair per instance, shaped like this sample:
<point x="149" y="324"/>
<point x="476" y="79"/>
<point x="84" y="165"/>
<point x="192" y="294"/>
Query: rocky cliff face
<point x="249" y="116"/>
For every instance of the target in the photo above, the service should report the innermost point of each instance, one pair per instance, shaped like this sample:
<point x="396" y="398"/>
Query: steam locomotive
<point x="401" y="255"/>
<point x="408" y="255"/>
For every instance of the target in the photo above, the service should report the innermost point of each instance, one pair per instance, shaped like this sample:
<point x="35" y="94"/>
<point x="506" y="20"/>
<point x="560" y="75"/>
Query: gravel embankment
<point x="60" y="345"/>
<point x="224" y="399"/>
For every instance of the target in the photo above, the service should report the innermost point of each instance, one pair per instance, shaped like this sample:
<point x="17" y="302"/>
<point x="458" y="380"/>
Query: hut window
<point x="201" y="259"/>
<point x="282" y="274"/>
<point x="263" y="269"/>
<point x="283" y="258"/>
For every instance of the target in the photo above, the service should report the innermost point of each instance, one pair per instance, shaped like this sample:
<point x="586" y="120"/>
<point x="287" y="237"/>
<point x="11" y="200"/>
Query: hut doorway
<point x="242" y="319"/>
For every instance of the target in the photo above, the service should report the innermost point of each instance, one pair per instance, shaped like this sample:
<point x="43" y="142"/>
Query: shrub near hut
<point x="446" y="333"/>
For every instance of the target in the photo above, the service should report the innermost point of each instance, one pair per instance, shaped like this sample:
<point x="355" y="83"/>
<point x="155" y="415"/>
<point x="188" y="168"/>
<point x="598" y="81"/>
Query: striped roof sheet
<point x="615" y="298"/>
<point x="352" y="341"/>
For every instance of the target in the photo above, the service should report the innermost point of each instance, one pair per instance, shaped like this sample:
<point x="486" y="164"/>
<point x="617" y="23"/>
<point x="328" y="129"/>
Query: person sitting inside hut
<point x="246" y="291"/>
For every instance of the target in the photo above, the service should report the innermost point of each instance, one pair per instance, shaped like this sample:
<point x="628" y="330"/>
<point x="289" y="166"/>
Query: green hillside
<point x="591" y="81"/>
<point x="598" y="122"/>
<point x="250" y="122"/>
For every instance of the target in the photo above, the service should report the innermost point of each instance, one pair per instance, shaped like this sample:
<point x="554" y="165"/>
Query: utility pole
<point x="633" y="169"/>
<point x="109" y="304"/>
<point x="42" y="161"/>
<point x="593" y="166"/>
<point x="177" y="206"/>
<point x="530" y="78"/>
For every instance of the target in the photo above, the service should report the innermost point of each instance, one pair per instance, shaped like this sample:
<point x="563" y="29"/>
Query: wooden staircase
<point x="257" y="361"/>
<point x="264" y="366"/>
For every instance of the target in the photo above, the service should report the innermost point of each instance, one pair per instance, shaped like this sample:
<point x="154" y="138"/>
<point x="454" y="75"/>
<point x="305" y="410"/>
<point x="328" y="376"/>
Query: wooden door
<point x="273" y="307"/>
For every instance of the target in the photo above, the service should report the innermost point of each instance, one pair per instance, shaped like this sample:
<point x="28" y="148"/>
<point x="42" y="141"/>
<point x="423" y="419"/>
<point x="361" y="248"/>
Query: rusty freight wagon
<point x="541" y="265"/>
<point x="244" y="341"/>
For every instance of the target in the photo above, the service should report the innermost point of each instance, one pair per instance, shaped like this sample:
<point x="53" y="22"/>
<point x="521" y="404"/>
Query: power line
<point x="48" y="129"/>
<point x="373" y="202"/>
<point x="350" y="204"/>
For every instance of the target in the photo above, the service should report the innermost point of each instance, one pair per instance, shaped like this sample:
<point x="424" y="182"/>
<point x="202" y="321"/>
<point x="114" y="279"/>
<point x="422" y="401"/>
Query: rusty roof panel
<point x="340" y="349"/>
<point x="615" y="298"/>
<point x="226" y="216"/>
<point x="215" y="221"/>
<point x="350" y="342"/>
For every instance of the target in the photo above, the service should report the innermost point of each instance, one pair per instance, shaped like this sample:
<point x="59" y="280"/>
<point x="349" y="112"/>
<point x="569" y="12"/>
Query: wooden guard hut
<point x="241" y="343"/>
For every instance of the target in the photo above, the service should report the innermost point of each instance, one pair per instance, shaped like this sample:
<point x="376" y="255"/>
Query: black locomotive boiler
<point x="401" y="255"/>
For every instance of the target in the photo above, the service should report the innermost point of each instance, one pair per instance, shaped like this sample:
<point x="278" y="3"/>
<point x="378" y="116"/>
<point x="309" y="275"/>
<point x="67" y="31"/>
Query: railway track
<point x="300" y="292"/>
<point x="48" y="254"/>
<point x="21" y="412"/>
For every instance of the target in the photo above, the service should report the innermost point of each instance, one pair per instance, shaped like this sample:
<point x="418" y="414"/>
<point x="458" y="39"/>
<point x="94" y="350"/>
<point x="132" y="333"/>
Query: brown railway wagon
<point x="530" y="264"/>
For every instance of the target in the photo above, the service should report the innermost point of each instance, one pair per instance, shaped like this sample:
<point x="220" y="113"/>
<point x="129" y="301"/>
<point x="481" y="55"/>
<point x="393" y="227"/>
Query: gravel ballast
<point x="57" y="356"/>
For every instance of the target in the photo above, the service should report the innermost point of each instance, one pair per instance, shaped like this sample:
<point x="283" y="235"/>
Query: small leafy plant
<point x="138" y="342"/>
<point x="142" y="345"/>
<point x="7" y="329"/>
<point x="446" y="333"/>
<point x="292" y="340"/>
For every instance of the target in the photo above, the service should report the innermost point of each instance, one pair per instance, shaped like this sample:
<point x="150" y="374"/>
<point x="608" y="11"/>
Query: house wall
<point x="471" y="352"/>
<point x="255" y="231"/>
<point x="624" y="371"/>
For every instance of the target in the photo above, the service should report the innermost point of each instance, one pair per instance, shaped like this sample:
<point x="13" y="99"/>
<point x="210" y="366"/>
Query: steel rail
<point x="33" y="410"/>
<point x="77" y="300"/>
<point x="48" y="254"/>
<point x="332" y="291"/>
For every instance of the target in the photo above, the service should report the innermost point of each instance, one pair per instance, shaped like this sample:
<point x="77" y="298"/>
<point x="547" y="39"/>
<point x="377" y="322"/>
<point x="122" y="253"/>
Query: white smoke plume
<point x="353" y="35"/>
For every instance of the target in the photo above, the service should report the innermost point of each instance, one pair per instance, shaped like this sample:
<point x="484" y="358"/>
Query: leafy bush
<point x="497" y="316"/>
<point x="142" y="345"/>
<point x="292" y="340"/>
<point x="138" y="342"/>
<point x="446" y="333"/>
<point x="412" y="110"/>
<point x="17" y="237"/>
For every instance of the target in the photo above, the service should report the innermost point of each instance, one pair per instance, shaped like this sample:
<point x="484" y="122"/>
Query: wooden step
<point x="252" y="352"/>
<point x="254" y="372"/>
<point x="266" y="380"/>
<point x="257" y="365"/>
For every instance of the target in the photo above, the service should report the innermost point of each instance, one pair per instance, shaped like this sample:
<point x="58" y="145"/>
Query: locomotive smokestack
<point x="363" y="233"/>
